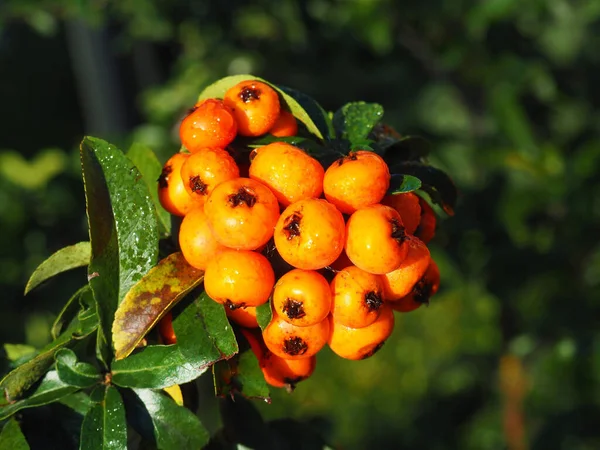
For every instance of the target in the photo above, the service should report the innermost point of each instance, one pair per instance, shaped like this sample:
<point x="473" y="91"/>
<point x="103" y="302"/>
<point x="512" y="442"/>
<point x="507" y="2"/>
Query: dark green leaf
<point x="175" y="427"/>
<point x="104" y="426"/>
<point x="314" y="110"/>
<point x="79" y="402"/>
<point x="11" y="437"/>
<point x="407" y="148"/>
<point x="218" y="89"/>
<point x="150" y="299"/>
<point x="264" y="314"/>
<point x="150" y="167"/>
<point x="74" y="373"/>
<point x="401" y="184"/>
<point x="68" y="312"/>
<point x="122" y="223"/>
<point x="23" y="377"/>
<point x="67" y="258"/>
<point x="204" y="336"/>
<point x="243" y="424"/>
<point x="49" y="390"/>
<point x="355" y="121"/>
<point x="435" y="182"/>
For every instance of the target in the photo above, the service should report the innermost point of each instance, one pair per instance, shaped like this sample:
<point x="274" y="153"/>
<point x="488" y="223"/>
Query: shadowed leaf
<point x="147" y="301"/>
<point x="314" y="110"/>
<point x="104" y="425"/>
<point x="68" y="311"/>
<point x="401" y="184"/>
<point x="11" y="437"/>
<point x="74" y="373"/>
<point x="67" y="258"/>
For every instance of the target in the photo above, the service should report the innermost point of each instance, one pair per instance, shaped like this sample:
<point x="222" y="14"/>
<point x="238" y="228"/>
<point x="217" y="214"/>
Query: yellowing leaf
<point x="175" y="393"/>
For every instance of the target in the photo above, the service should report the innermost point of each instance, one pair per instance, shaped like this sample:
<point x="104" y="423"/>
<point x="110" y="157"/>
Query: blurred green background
<point x="508" y="353"/>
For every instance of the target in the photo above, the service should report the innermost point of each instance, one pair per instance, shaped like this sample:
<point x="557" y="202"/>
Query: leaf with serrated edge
<point x="175" y="427"/>
<point x="12" y="437"/>
<point x="147" y="301"/>
<point x="50" y="390"/>
<point x="104" y="426"/>
<point x="122" y="224"/>
<point x="401" y="184"/>
<point x="24" y="376"/>
<point x="67" y="258"/>
<point x="218" y="89"/>
<point x="74" y="373"/>
<point x="150" y="167"/>
<point x="204" y="336"/>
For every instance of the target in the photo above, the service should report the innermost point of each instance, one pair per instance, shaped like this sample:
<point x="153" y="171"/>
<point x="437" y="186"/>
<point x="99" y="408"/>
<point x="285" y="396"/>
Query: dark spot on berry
<point x="294" y="346"/>
<point x="422" y="291"/>
<point x="373" y="351"/>
<point x="233" y="306"/>
<point x="293" y="381"/>
<point x="373" y="301"/>
<point x="244" y="196"/>
<point x="249" y="94"/>
<point x="294" y="309"/>
<point x="197" y="185"/>
<point x="291" y="226"/>
<point x="352" y="157"/>
<point x="163" y="179"/>
<point x="398" y="231"/>
<point x="191" y="110"/>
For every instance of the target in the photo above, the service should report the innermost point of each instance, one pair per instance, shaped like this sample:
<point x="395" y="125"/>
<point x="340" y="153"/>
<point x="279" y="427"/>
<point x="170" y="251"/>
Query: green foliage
<point x="12" y="438"/>
<point x="104" y="426"/>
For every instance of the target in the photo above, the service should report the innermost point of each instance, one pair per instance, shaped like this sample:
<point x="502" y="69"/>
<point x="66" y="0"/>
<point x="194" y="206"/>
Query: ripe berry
<point x="171" y="192"/>
<point x="409" y="208"/>
<point x="292" y="342"/>
<point x="375" y="239"/>
<point x="165" y="329"/>
<point x="196" y="239"/>
<point x="245" y="317"/>
<point x="420" y="294"/>
<point x="280" y="372"/>
<point x="357" y="180"/>
<point x="400" y="282"/>
<point x="209" y="124"/>
<point x="289" y="172"/>
<point x="255" y="107"/>
<point x="426" y="229"/>
<point x="310" y="234"/>
<point x="285" y="125"/>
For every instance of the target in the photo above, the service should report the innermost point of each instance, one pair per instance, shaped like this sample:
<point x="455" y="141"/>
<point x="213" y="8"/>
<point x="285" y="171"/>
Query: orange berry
<point x="289" y="172"/>
<point x="256" y="342"/>
<point x="361" y="343"/>
<point x="205" y="169"/>
<point x="165" y="329"/>
<point x="426" y="229"/>
<point x="209" y="124"/>
<point x="285" y="125"/>
<point x="242" y="213"/>
<point x="310" y="234"/>
<point x="399" y="283"/>
<point x="409" y="208"/>
<point x="342" y="262"/>
<point x="420" y="294"/>
<point x="196" y="239"/>
<point x="246" y="317"/>
<point x="292" y="342"/>
<point x="255" y="107"/>
<point x="360" y="179"/>
<point x="375" y="239"/>
<point x="302" y="297"/>
<point x="280" y="372"/>
<point x="357" y="297"/>
<point x="239" y="278"/>
<point x="171" y="192"/>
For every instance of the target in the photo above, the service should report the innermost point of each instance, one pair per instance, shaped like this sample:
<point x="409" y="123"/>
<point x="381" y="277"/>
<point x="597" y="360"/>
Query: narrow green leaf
<point x="23" y="377"/>
<point x="218" y="89"/>
<point x="175" y="427"/>
<point x="150" y="299"/>
<point x="150" y="167"/>
<point x="434" y="181"/>
<point x="11" y="437"/>
<point x="355" y="121"/>
<point x="49" y="390"/>
<point x="68" y="258"/>
<point x="401" y="184"/>
<point x="104" y="426"/>
<point x="314" y="110"/>
<point x="74" y="373"/>
<point x="264" y="314"/>
<point x="204" y="336"/>
<point x="122" y="223"/>
<point x="68" y="312"/>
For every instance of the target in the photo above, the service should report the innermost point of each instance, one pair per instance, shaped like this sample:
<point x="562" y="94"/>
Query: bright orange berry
<point x="171" y="192"/>
<point x="293" y="342"/>
<point x="409" y="208"/>
<point x="425" y="288"/>
<point x="209" y="124"/>
<point x="426" y="229"/>
<point x="285" y="125"/>
<point x="255" y="106"/>
<point x="196" y="239"/>
<point x="400" y="282"/>
<point x="245" y="317"/>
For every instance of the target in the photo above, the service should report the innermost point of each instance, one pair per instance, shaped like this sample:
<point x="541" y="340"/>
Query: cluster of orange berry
<point x="335" y="254"/>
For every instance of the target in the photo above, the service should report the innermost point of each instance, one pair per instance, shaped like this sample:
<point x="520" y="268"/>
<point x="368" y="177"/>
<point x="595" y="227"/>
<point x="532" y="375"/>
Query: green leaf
<point x="401" y="184"/>
<point x="355" y="121"/>
<point x="204" y="336"/>
<point x="16" y="352"/>
<point x="218" y="89"/>
<point x="150" y="167"/>
<point x="407" y="148"/>
<point x="79" y="402"/>
<point x="68" y="312"/>
<point x="175" y="427"/>
<point x="11" y="437"/>
<point x="435" y="182"/>
<point x="104" y="426"/>
<point x="74" y="373"/>
<point x="122" y="223"/>
<point x="23" y="377"/>
<point x="243" y="424"/>
<point x="150" y="299"/>
<point x="49" y="390"/>
<point x="67" y="258"/>
<point x="264" y="314"/>
<point x="314" y="110"/>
